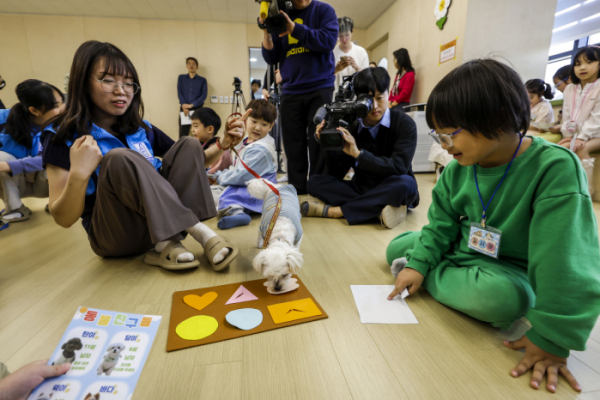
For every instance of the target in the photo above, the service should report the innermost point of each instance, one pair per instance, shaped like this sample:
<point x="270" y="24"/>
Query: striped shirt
<point x="290" y="209"/>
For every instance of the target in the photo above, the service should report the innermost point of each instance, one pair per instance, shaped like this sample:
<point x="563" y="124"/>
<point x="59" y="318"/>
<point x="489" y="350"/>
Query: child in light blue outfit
<point x="257" y="151"/>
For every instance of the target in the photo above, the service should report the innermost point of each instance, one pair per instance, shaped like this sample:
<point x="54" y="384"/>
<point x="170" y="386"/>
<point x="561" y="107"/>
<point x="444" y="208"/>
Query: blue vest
<point x="8" y="144"/>
<point x="137" y="141"/>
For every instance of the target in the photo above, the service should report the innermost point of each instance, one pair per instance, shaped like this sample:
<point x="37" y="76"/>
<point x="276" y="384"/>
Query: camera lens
<point x="363" y="106"/>
<point x="332" y="140"/>
<point x="277" y="23"/>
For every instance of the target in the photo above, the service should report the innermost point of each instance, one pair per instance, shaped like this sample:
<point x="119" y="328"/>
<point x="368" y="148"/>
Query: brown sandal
<point x="216" y="244"/>
<point x="312" y="208"/>
<point x="24" y="211"/>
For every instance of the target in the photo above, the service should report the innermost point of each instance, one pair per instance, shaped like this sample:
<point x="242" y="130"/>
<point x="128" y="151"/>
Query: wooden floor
<point x="47" y="271"/>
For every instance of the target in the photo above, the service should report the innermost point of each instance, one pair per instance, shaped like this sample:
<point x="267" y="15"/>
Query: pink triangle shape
<point x="241" y="295"/>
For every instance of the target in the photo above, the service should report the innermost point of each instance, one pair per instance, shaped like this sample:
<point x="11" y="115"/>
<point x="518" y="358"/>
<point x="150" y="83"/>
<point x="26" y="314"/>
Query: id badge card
<point x="485" y="240"/>
<point x="572" y="127"/>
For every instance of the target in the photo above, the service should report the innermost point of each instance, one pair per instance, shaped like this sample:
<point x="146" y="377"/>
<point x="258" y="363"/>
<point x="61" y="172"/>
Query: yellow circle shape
<point x="196" y="328"/>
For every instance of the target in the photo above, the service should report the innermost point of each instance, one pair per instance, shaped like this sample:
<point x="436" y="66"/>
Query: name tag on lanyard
<point x="482" y="237"/>
<point x="485" y="240"/>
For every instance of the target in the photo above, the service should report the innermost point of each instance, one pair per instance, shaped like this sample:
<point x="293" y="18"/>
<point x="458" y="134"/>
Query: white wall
<point x="518" y="31"/>
<point x="42" y="47"/>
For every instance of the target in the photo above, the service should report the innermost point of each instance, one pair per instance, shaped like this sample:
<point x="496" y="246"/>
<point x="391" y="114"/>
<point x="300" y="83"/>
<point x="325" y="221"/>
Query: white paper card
<point x="374" y="307"/>
<point x="186" y="120"/>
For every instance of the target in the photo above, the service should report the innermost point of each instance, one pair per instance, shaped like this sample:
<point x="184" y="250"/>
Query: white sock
<point x="10" y="216"/>
<point x="203" y="234"/>
<point x="398" y="265"/>
<point x="183" y="257"/>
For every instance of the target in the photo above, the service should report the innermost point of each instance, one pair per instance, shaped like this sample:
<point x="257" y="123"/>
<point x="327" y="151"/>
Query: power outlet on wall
<point x="226" y="100"/>
<point x="221" y="99"/>
<point x="231" y="99"/>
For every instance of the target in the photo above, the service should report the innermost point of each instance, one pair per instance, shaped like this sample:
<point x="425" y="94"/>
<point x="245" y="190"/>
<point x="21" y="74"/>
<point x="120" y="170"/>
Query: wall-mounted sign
<point x="448" y="51"/>
<point x="441" y="11"/>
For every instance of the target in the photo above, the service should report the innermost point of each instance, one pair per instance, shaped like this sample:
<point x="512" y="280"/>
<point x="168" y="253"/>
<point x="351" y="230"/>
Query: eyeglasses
<point x="110" y="85"/>
<point x="560" y="83"/>
<point x="441" y="138"/>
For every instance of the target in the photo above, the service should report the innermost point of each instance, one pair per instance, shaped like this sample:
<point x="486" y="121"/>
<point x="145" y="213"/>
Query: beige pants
<point x="14" y="188"/>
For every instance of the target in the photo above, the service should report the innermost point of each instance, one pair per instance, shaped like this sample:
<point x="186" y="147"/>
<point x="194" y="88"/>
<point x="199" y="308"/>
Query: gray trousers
<point x="136" y="206"/>
<point x="14" y="188"/>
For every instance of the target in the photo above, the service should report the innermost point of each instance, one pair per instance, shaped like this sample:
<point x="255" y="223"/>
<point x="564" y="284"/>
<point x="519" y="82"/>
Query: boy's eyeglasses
<point x="441" y="138"/>
<point x="560" y="83"/>
<point x="110" y="85"/>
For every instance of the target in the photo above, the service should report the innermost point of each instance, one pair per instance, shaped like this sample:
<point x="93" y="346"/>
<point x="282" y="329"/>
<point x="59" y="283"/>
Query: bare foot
<point x="335" y="212"/>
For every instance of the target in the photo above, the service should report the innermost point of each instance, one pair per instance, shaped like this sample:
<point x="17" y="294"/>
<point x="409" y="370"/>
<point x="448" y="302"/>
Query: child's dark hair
<point x="563" y="73"/>
<point x="592" y="53"/>
<point x="370" y="80"/>
<point x="539" y="87"/>
<point x="256" y="81"/>
<point x="481" y="96"/>
<point x="31" y="93"/>
<point x="401" y="55"/>
<point x="263" y="109"/>
<point x="193" y="59"/>
<point x="77" y="117"/>
<point x="346" y="24"/>
<point x="208" y="117"/>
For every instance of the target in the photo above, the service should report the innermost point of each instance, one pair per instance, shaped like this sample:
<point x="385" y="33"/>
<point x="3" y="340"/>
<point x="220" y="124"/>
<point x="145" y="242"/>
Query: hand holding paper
<point x="408" y="279"/>
<point x="20" y="383"/>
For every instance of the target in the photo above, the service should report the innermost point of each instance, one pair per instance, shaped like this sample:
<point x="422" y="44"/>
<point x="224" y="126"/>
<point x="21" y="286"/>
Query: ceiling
<point x="245" y="11"/>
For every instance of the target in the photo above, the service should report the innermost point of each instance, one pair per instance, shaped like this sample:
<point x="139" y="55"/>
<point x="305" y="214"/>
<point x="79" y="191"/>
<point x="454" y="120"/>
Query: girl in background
<point x="562" y="78"/>
<point x="21" y="171"/>
<point x="542" y="115"/>
<point x="581" y="109"/>
<point x="405" y="80"/>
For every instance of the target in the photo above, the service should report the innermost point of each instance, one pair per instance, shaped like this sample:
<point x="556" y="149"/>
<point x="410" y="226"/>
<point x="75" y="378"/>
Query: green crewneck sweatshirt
<point x="548" y="226"/>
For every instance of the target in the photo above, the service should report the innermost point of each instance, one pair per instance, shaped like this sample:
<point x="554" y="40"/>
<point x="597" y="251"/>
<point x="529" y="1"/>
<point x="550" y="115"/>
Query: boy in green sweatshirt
<point x="511" y="230"/>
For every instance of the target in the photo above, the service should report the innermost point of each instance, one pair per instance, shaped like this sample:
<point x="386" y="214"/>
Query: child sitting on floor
<point x="542" y="115"/>
<point x="257" y="151"/>
<point x="205" y="126"/>
<point x="512" y="230"/>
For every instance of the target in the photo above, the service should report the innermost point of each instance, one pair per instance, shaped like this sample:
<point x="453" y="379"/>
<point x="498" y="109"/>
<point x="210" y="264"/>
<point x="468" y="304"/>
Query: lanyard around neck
<point x="485" y="207"/>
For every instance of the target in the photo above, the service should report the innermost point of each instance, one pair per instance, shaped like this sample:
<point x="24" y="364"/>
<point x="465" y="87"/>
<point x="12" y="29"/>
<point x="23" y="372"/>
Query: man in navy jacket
<point x="192" y="90"/>
<point x="306" y="62"/>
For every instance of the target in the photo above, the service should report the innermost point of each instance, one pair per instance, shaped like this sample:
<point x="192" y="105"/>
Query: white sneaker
<point x="392" y="216"/>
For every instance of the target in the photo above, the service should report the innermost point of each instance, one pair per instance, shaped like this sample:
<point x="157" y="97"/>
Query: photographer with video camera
<point x="379" y="146"/>
<point x="300" y="35"/>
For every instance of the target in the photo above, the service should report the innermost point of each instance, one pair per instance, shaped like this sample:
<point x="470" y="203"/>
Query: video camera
<point x="344" y="112"/>
<point x="269" y="12"/>
<point x="237" y="82"/>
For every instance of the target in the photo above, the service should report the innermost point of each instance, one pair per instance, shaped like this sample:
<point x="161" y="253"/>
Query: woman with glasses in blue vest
<point x="103" y="165"/>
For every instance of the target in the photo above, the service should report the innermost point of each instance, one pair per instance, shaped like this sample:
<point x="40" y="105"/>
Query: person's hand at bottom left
<point x="19" y="384"/>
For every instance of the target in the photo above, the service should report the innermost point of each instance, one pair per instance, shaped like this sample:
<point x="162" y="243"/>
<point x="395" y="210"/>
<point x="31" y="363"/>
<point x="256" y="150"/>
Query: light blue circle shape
<point x="245" y="318"/>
